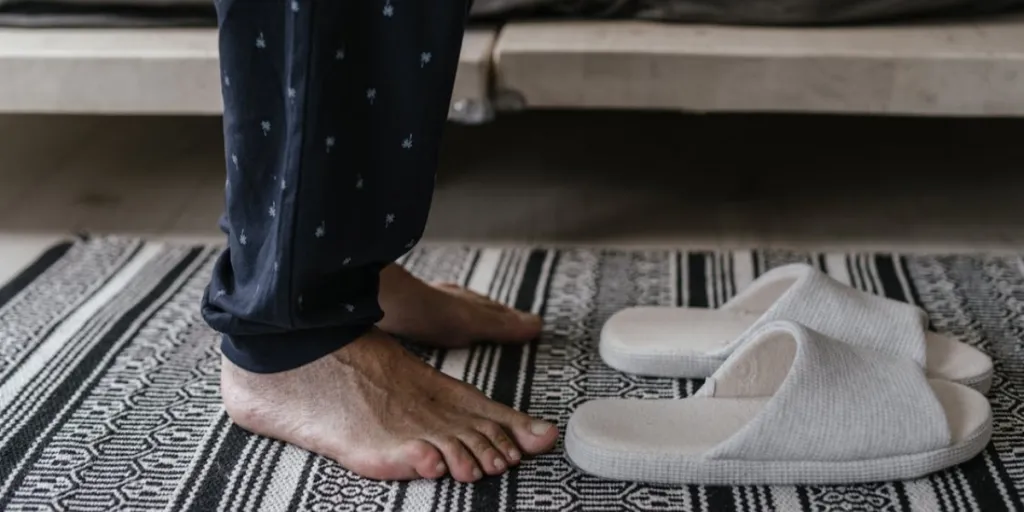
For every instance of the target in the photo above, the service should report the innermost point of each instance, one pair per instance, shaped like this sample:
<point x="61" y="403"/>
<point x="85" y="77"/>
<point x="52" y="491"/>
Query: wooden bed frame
<point x="971" y="68"/>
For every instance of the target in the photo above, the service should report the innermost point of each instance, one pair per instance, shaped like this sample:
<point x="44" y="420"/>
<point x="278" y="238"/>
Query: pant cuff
<point x="278" y="352"/>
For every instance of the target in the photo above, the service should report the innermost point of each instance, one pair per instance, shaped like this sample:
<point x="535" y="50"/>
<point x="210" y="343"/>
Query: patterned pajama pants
<point x="333" y="118"/>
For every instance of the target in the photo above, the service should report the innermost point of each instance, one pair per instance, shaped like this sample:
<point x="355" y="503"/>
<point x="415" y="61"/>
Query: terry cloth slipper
<point x="693" y="342"/>
<point x="790" y="406"/>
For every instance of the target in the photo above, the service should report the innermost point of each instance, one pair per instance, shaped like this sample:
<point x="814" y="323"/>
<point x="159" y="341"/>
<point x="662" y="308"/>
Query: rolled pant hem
<point x="278" y="352"/>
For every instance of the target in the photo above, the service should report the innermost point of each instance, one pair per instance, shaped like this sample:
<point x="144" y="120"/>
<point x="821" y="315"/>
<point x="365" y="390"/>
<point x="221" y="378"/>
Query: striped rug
<point x="109" y="393"/>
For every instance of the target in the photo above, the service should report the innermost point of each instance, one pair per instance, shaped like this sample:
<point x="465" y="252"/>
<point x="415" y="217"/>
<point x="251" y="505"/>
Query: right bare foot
<point x="382" y="413"/>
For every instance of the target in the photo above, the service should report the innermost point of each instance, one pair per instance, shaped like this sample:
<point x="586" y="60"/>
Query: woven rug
<point x="109" y="393"/>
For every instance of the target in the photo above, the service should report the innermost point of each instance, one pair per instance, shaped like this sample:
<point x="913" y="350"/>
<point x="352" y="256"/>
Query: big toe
<point x="529" y="324"/>
<point x="484" y="319"/>
<point x="502" y="324"/>
<point x="532" y="435"/>
<point x="511" y="326"/>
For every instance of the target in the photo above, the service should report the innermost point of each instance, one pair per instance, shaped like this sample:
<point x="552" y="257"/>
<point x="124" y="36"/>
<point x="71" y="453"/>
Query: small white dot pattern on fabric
<point x="331" y="155"/>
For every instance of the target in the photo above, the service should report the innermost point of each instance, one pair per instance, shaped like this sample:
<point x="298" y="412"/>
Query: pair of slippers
<point x="808" y="381"/>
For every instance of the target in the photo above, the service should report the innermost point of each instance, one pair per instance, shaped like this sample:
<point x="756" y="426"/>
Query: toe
<point x="486" y="453"/>
<point x="530" y="435"/>
<point x="425" y="459"/>
<point x="499" y="438"/>
<point x="379" y="465"/>
<point x="461" y="464"/>
<point x="491" y="320"/>
<point x="506" y="325"/>
<point x="528" y="324"/>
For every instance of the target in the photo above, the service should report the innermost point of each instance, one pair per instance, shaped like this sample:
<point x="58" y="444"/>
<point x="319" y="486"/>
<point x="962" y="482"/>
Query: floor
<point x="565" y="178"/>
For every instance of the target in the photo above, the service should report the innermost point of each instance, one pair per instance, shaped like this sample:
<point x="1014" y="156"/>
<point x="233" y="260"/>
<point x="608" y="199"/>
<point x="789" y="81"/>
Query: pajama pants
<point x="333" y="113"/>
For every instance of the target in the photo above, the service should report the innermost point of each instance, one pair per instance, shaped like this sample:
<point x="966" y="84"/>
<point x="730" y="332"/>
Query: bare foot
<point x="447" y="315"/>
<point x="384" y="414"/>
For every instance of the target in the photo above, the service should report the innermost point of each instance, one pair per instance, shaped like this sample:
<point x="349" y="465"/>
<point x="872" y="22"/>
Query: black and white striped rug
<point x="109" y="393"/>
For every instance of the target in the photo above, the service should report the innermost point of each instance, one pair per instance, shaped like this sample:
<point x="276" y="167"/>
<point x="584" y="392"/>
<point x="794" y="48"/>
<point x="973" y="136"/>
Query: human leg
<point x="333" y="116"/>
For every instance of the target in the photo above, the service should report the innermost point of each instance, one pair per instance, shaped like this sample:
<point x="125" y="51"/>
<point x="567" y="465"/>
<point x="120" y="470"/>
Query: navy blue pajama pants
<point x="333" y="113"/>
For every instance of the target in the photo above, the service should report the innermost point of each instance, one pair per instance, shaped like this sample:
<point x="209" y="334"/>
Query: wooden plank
<point x="152" y="71"/>
<point x="969" y="68"/>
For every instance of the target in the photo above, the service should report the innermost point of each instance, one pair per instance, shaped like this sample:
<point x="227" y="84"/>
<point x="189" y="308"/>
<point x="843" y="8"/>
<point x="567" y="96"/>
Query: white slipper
<point x="790" y="406"/>
<point x="693" y="342"/>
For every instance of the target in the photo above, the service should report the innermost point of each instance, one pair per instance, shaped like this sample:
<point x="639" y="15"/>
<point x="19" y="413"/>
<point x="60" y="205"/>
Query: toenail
<point x="477" y="474"/>
<point x="440" y="467"/>
<point x="499" y="464"/>
<point x="539" y="428"/>
<point x="514" y="454"/>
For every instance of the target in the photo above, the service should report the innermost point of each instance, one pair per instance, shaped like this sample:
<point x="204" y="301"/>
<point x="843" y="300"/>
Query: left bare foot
<point x="447" y="315"/>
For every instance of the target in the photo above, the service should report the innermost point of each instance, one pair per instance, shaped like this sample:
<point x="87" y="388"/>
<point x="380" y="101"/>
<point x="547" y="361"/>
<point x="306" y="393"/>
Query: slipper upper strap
<point x="813" y="299"/>
<point x="830" y="401"/>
